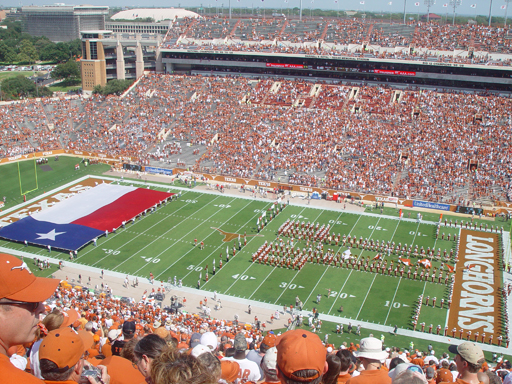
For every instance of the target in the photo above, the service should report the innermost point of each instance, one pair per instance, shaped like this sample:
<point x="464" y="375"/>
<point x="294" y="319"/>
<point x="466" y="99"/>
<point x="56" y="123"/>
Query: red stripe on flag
<point x="123" y="209"/>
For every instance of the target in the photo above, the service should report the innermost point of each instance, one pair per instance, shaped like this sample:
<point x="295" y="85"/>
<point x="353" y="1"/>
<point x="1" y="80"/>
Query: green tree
<point x="75" y="48"/>
<point x="20" y="87"/>
<point x="113" y="87"/>
<point x="7" y="54"/>
<point x="28" y="52"/>
<point x="69" y="71"/>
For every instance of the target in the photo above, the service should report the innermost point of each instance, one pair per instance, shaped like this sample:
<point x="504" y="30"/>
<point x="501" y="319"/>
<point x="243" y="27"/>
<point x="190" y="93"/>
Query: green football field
<point x="162" y="243"/>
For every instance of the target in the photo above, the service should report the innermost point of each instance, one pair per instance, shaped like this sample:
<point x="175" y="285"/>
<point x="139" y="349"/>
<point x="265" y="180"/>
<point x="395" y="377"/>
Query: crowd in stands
<point x="431" y="41"/>
<point x="371" y="139"/>
<point x="75" y="335"/>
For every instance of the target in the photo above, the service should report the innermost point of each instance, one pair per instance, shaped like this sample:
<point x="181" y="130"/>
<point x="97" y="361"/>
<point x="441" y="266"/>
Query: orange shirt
<point x="342" y="379"/>
<point x="371" y="377"/>
<point x="418" y="361"/>
<point x="458" y="381"/>
<point x="10" y="374"/>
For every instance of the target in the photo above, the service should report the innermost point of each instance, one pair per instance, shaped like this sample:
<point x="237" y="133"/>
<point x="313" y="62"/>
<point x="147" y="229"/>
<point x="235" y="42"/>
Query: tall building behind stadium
<point x="319" y="49"/>
<point x="61" y="22"/>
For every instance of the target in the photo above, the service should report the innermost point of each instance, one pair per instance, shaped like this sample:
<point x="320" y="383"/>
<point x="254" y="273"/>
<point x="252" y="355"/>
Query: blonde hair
<point x="173" y="367"/>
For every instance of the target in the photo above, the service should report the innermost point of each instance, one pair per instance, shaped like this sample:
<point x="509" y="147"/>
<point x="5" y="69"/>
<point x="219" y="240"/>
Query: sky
<point x="467" y="7"/>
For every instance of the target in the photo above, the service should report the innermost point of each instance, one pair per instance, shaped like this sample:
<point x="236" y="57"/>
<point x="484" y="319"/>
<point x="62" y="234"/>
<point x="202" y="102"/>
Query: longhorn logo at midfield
<point x="231" y="236"/>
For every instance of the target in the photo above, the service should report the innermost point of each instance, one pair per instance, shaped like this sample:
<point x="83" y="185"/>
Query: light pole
<point x="405" y="4"/>
<point x="506" y="10"/>
<point x="429" y="3"/>
<point x="490" y="15"/>
<point x="455" y="4"/>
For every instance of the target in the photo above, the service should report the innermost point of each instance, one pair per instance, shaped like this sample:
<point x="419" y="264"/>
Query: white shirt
<point x="249" y="370"/>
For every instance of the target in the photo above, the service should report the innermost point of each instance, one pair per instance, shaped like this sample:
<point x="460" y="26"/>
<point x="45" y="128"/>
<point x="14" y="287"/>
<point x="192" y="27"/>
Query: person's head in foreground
<point x="469" y="358"/>
<point x="61" y="355"/>
<point x="173" y="367"/>
<point x="21" y="297"/>
<point x="370" y="353"/>
<point x="269" y="365"/>
<point x="410" y="377"/>
<point x="301" y="357"/>
<point x="146" y="350"/>
<point x="414" y="373"/>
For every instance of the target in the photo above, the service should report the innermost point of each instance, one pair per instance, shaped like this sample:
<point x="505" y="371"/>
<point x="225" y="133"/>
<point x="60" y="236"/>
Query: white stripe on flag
<point x="83" y="204"/>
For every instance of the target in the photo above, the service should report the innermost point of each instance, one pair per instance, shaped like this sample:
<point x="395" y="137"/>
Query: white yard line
<point x="244" y="272"/>
<point x="392" y="301"/>
<point x="213" y="214"/>
<point x="149" y="244"/>
<point x="367" y="293"/>
<point x="221" y="246"/>
<point x="120" y="230"/>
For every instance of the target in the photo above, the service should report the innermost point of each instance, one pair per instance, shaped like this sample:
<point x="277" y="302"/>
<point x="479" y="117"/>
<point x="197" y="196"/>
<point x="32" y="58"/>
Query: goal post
<point x="27" y="176"/>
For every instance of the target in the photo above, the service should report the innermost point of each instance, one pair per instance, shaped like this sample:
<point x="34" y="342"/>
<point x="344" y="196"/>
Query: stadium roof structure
<point x="158" y="14"/>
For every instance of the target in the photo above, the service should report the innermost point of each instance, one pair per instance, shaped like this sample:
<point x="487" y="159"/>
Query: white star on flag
<point x="473" y="5"/>
<point x="50" y="235"/>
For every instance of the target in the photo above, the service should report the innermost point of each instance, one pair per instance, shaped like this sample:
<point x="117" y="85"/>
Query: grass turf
<point x="162" y="243"/>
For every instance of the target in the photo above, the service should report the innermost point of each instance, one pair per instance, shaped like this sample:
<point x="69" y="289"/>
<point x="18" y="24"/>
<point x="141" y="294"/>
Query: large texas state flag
<point x="76" y="221"/>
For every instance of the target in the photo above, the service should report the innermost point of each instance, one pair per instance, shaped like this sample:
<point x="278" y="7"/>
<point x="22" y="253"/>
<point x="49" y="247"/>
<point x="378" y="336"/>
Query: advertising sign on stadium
<point x="161" y="171"/>
<point x="391" y="72"/>
<point x="469" y="210"/>
<point x="426" y="204"/>
<point x="278" y="65"/>
<point x="386" y="199"/>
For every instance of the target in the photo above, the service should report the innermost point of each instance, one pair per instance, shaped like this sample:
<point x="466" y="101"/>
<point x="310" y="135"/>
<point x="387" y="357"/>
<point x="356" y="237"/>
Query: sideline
<point x="232" y="304"/>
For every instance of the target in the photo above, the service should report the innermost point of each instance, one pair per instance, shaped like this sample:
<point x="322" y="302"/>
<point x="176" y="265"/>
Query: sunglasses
<point x="415" y="368"/>
<point x="31" y="307"/>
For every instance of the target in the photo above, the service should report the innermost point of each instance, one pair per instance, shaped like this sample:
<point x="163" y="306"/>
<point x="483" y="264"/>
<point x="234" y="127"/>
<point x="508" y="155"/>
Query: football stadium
<point x="278" y="199"/>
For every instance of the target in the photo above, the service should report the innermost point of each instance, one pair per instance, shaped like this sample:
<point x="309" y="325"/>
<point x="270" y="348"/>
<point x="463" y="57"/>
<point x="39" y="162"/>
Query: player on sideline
<point x="21" y="297"/>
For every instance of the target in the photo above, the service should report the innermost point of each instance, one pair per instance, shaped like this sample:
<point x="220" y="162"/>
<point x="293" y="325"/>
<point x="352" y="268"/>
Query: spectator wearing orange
<point x="61" y="357"/>
<point x="371" y="355"/>
<point x="21" y="297"/>
<point x="301" y="357"/>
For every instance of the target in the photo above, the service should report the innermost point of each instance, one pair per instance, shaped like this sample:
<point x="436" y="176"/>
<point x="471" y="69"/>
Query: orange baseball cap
<point x="229" y="370"/>
<point x="444" y="375"/>
<point x="70" y="316"/>
<point x="269" y="340"/>
<point x="64" y="347"/>
<point x="87" y="338"/>
<point x="299" y="349"/>
<point x="17" y="282"/>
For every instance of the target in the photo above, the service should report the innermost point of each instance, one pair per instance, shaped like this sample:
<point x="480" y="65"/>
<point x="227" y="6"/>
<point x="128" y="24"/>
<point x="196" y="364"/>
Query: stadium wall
<point x="502" y="207"/>
<point x="103" y="157"/>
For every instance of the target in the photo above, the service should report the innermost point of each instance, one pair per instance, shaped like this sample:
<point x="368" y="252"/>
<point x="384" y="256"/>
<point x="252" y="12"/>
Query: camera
<point x="91" y="371"/>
